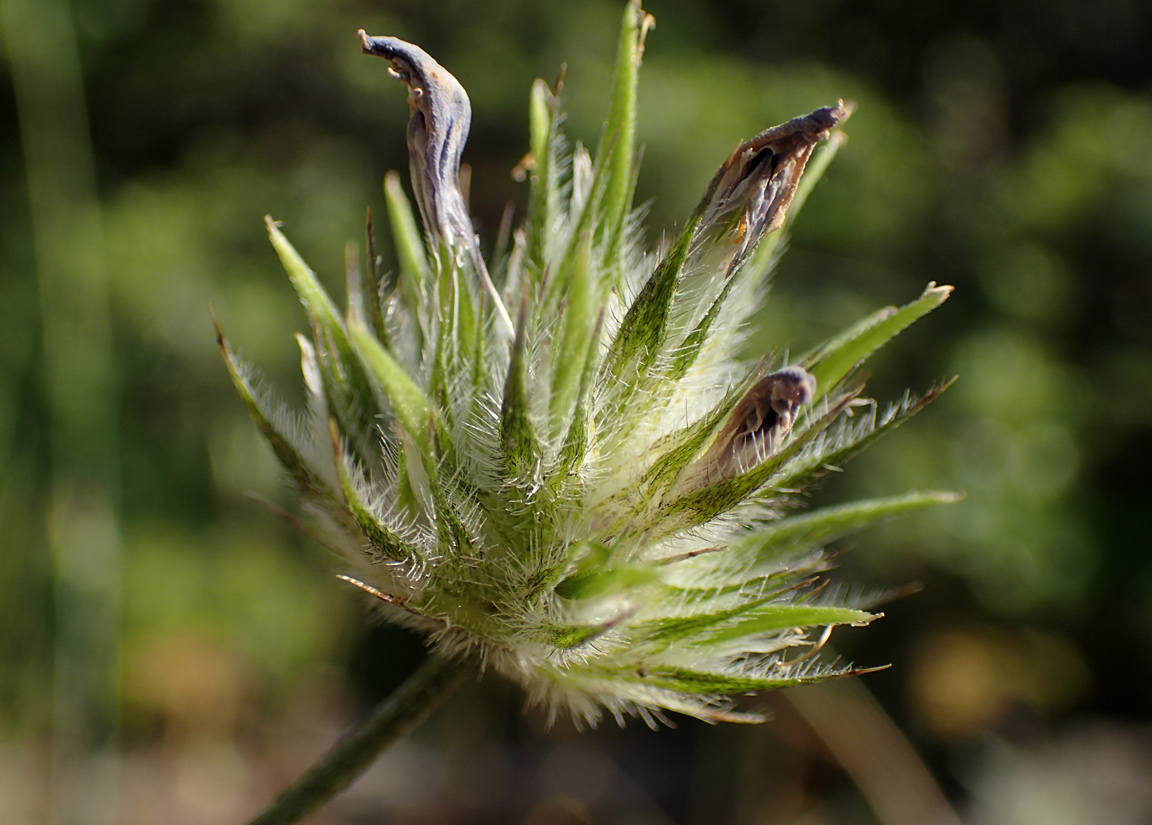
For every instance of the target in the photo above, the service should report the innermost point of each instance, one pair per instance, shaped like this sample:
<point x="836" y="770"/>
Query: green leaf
<point x="346" y="389"/>
<point x="541" y="106"/>
<point x="384" y="541"/>
<point x="584" y="222"/>
<point x="518" y="442"/>
<point x="380" y="288"/>
<point x="643" y="331"/>
<point x="358" y="305"/>
<point x="852" y="439"/>
<point x="573" y="452"/>
<point x="567" y="637"/>
<point x="408" y="401"/>
<point x="820" y="526"/>
<point x="456" y="539"/>
<point x="748" y="575"/>
<point x="301" y="474"/>
<point x="768" y="618"/>
<point x="414" y="270"/>
<point x="348" y="395"/>
<point x="479" y="373"/>
<point x="683" y="680"/>
<point x="542" y="124"/>
<point x="687" y="352"/>
<point x="320" y="307"/>
<point x="837" y="357"/>
<point x="577" y="321"/>
<point x="454" y="366"/>
<point x="458" y="313"/>
<point x="413" y="488"/>
<point x="619" y="135"/>
<point x="677" y="628"/>
<point x="601" y="582"/>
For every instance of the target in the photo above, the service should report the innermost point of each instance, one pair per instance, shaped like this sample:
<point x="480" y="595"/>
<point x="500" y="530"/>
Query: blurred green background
<point x="169" y="649"/>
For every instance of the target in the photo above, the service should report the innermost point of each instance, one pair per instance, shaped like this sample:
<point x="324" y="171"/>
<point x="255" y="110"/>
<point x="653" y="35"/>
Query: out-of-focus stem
<point x="410" y="705"/>
<point x="874" y="752"/>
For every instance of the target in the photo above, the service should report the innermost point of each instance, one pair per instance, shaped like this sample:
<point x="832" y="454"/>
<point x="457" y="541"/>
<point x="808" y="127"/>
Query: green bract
<point x="554" y="463"/>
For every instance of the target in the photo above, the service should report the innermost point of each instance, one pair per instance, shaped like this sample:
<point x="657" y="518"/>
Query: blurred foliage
<point x="1002" y="148"/>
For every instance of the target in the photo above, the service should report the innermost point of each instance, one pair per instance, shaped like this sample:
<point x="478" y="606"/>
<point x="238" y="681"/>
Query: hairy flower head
<point x="556" y="463"/>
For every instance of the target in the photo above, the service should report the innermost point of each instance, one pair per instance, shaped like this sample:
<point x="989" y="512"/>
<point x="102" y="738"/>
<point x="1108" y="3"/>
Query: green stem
<point x="410" y="705"/>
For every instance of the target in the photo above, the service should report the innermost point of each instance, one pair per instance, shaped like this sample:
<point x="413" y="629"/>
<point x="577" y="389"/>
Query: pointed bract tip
<point x="368" y="43"/>
<point x="220" y="342"/>
<point x="389" y="47"/>
<point x="735" y="717"/>
<point x="940" y="292"/>
<point x="367" y="588"/>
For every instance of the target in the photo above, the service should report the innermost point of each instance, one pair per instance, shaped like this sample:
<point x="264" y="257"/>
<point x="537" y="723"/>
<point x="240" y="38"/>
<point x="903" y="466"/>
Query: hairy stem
<point x="410" y="705"/>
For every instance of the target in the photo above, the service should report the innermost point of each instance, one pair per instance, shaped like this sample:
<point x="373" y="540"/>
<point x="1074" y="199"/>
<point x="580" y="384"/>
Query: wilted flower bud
<point x="750" y="194"/>
<point x="440" y="116"/>
<point x="756" y="426"/>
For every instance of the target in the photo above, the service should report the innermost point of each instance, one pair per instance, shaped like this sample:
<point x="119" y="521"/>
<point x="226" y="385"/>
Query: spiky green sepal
<point x="589" y="493"/>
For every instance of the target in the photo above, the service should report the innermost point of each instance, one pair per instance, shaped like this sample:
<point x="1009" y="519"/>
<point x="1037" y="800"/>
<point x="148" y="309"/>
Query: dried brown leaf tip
<point x="751" y="192"/>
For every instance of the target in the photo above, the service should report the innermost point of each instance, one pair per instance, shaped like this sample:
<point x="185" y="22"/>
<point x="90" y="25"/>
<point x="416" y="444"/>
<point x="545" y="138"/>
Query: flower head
<point x="557" y="464"/>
